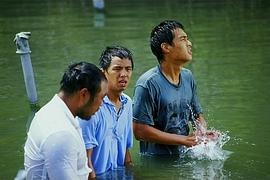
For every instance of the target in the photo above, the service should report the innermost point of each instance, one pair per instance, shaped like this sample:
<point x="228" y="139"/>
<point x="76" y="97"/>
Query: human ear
<point x="84" y="95"/>
<point x="102" y="70"/>
<point x="84" y="92"/>
<point x="165" y="47"/>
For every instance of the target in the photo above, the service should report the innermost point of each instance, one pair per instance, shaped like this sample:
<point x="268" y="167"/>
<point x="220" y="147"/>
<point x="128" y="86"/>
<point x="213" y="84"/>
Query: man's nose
<point x="123" y="73"/>
<point x="189" y="43"/>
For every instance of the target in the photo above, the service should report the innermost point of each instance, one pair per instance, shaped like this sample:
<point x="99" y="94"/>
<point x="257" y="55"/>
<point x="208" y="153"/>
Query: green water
<point x="231" y="46"/>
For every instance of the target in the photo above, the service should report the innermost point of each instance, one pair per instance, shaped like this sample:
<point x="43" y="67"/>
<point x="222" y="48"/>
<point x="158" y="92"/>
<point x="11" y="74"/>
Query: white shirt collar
<point x="67" y="111"/>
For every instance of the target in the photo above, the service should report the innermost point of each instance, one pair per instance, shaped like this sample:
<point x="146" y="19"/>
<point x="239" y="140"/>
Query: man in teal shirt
<point x="108" y="134"/>
<point x="165" y="97"/>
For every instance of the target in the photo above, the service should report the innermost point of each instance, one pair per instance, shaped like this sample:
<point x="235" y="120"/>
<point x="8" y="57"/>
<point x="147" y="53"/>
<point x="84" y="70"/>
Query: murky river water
<point x="231" y="63"/>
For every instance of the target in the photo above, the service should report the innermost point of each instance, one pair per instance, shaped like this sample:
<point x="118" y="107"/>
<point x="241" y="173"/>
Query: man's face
<point x="118" y="74"/>
<point x="181" y="49"/>
<point x="92" y="106"/>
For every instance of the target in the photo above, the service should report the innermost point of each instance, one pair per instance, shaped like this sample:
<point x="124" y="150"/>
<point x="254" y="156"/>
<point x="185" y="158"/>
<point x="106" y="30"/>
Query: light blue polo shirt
<point x="109" y="133"/>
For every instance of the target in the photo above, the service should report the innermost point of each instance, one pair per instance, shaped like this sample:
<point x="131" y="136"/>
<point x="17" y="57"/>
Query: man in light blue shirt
<point x="108" y="134"/>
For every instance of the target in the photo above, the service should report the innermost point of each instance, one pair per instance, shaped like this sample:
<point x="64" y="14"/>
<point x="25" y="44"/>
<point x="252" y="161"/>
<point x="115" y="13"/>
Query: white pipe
<point x="21" y="40"/>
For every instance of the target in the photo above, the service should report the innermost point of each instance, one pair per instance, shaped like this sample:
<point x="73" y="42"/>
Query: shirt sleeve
<point x="89" y="132"/>
<point x="61" y="156"/>
<point x="143" y="106"/>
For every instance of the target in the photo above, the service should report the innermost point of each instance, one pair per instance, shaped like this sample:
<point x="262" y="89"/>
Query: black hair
<point x="82" y="75"/>
<point x="111" y="51"/>
<point x="163" y="33"/>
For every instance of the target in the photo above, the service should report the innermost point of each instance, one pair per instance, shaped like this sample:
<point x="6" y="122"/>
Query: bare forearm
<point x="92" y="175"/>
<point x="128" y="161"/>
<point x="151" y="134"/>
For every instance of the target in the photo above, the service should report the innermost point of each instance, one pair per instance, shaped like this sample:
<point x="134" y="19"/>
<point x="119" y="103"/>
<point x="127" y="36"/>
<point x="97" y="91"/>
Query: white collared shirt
<point x="54" y="148"/>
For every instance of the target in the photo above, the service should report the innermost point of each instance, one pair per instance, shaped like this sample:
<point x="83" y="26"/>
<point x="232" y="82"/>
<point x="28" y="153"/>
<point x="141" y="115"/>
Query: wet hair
<point x="82" y="75"/>
<point x="163" y="33"/>
<point x="111" y="51"/>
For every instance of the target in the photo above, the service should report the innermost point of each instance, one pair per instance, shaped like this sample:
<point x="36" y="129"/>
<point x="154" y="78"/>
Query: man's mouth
<point x="190" y="51"/>
<point x="123" y="82"/>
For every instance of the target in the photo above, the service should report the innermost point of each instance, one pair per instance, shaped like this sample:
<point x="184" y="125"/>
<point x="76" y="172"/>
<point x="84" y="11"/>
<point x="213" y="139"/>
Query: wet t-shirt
<point x="109" y="133"/>
<point x="165" y="106"/>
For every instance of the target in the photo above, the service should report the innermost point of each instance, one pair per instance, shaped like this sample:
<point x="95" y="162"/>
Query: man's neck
<point x="171" y="72"/>
<point x="70" y="102"/>
<point x="115" y="98"/>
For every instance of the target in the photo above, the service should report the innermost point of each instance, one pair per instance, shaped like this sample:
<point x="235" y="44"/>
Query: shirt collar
<point x="68" y="113"/>
<point x="123" y="100"/>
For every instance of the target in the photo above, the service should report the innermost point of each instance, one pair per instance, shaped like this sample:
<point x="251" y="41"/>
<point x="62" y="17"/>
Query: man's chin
<point x="122" y="88"/>
<point x="83" y="117"/>
<point x="88" y="118"/>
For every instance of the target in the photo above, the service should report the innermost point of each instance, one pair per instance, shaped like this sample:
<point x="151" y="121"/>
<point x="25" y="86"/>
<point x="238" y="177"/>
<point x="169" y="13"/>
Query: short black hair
<point x="163" y="33"/>
<point x="111" y="51"/>
<point x="82" y="75"/>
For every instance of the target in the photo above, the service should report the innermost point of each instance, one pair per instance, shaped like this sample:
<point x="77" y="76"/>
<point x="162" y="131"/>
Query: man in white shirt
<point x="54" y="148"/>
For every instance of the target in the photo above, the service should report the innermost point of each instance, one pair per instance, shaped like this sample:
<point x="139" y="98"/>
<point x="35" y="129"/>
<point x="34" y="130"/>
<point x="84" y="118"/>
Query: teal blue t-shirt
<point x="165" y="106"/>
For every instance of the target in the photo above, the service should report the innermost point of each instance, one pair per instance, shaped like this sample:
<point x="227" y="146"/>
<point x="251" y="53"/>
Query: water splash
<point x="210" y="149"/>
<point x="195" y="123"/>
<point x="210" y="142"/>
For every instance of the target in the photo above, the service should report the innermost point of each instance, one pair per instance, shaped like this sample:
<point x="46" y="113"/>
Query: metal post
<point x="98" y="4"/>
<point x="21" y="40"/>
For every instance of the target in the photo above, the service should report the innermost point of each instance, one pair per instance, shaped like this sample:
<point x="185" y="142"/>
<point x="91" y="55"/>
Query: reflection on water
<point x="119" y="174"/>
<point x="179" y="168"/>
<point x="99" y="18"/>
<point x="182" y="168"/>
<point x="206" y="169"/>
<point x="99" y="13"/>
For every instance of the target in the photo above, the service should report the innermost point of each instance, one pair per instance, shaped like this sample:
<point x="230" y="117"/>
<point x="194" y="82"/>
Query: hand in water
<point x="212" y="135"/>
<point x="207" y="136"/>
<point x="204" y="135"/>
<point x="190" y="140"/>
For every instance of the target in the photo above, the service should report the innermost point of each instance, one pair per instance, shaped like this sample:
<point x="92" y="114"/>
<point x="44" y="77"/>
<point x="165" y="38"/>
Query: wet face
<point x="92" y="106"/>
<point x="181" y="49"/>
<point x="118" y="74"/>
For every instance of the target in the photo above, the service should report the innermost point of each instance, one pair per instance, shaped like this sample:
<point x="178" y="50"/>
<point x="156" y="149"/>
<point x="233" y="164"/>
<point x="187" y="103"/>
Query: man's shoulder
<point x="126" y="97"/>
<point x="149" y="76"/>
<point x="187" y="75"/>
<point x="186" y="71"/>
